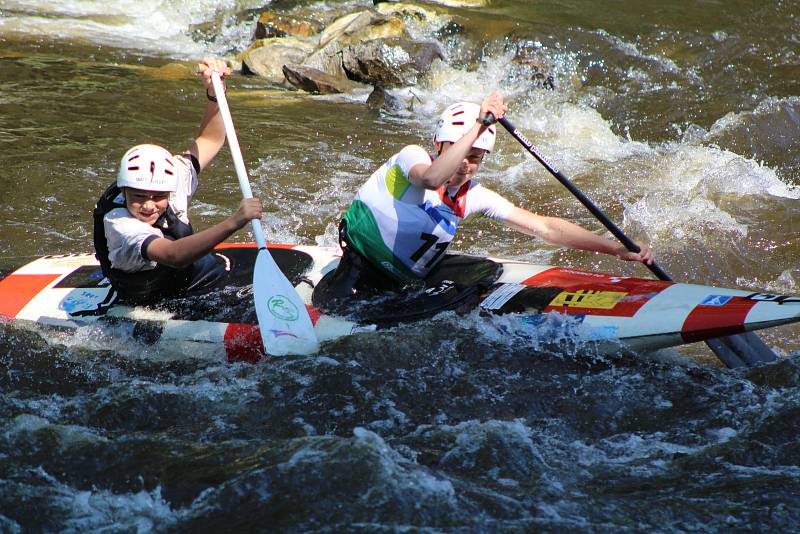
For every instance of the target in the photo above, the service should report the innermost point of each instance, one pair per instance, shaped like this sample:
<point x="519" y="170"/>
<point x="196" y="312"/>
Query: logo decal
<point x="770" y="297"/>
<point x="282" y="308"/>
<point x="280" y="333"/>
<point x="716" y="300"/>
<point x="587" y="298"/>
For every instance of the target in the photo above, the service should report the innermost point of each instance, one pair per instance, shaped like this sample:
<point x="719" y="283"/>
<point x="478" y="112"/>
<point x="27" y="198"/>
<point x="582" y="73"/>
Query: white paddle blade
<point x="282" y="316"/>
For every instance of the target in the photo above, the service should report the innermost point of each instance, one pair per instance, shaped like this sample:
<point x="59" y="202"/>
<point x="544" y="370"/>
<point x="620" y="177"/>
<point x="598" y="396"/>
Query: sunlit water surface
<point x="681" y="122"/>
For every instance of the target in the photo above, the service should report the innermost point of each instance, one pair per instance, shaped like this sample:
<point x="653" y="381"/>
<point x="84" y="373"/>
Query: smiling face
<point x="147" y="206"/>
<point x="469" y="165"/>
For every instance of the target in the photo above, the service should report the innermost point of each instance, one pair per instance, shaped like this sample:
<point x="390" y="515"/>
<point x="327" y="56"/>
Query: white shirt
<point x="125" y="233"/>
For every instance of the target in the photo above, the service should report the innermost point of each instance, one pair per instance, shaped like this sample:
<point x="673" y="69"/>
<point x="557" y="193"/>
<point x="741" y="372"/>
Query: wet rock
<point x="449" y="3"/>
<point x="350" y="29"/>
<point x="450" y="29"/>
<point x="427" y="17"/>
<point x="389" y="62"/>
<point x="405" y="10"/>
<point x="380" y="99"/>
<point x="274" y="25"/>
<point x="362" y="26"/>
<point x="316" y="81"/>
<point x="266" y="57"/>
<point x="539" y="69"/>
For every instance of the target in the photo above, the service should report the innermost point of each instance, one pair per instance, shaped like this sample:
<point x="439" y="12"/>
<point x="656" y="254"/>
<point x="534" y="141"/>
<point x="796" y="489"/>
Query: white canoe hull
<point x="643" y="314"/>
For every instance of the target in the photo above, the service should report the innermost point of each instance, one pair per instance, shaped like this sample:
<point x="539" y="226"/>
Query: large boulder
<point x="266" y="57"/>
<point x="353" y="28"/>
<point x="363" y="25"/>
<point x="274" y="25"/>
<point x="409" y="11"/>
<point x="391" y="62"/>
<point x="316" y="81"/>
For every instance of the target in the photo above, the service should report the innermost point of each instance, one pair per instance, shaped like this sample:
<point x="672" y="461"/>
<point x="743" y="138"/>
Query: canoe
<point x="69" y="291"/>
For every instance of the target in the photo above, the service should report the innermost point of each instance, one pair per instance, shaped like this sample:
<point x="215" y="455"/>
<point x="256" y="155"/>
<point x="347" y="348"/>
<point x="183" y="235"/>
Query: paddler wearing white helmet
<point x="142" y="236"/>
<point x="403" y="219"/>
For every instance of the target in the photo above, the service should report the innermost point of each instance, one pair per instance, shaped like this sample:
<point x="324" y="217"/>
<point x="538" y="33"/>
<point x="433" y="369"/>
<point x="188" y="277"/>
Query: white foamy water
<point x="677" y="186"/>
<point x="152" y="26"/>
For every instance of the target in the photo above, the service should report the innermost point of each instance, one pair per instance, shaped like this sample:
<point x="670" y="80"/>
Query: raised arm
<point x="211" y="137"/>
<point x="557" y="231"/>
<point x="433" y="176"/>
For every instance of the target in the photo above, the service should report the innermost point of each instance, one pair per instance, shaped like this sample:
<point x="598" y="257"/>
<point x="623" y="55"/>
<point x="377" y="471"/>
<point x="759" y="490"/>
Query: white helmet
<point x="456" y="120"/>
<point x="148" y="167"/>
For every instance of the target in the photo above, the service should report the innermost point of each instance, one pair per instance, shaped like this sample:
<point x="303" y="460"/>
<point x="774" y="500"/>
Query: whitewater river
<point x="679" y="119"/>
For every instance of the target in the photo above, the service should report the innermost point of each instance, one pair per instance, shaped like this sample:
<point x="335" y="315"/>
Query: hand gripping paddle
<point x="735" y="350"/>
<point x="283" y="319"/>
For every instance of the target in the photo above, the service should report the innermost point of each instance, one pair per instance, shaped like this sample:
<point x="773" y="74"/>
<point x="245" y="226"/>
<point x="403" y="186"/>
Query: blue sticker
<point x="716" y="300"/>
<point x="79" y="300"/>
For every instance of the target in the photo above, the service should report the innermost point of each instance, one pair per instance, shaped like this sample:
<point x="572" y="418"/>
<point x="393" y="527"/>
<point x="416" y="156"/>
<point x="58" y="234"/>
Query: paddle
<point x="734" y="351"/>
<point x="282" y="316"/>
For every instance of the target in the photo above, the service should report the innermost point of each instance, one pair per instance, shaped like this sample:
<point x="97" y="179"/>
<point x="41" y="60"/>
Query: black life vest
<point x="146" y="286"/>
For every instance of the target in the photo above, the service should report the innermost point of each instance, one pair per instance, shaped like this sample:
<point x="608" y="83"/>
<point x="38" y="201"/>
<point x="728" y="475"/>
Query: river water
<point x="680" y="119"/>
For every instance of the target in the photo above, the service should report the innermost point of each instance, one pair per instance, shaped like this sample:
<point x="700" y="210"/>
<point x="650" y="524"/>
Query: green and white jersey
<point x="406" y="229"/>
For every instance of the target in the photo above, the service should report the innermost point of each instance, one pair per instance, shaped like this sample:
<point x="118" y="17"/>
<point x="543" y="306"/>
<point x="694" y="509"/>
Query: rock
<point x="405" y="10"/>
<point x="541" y="71"/>
<point x="364" y="25"/>
<point x="273" y="25"/>
<point x="353" y="28"/>
<point x="391" y="62"/>
<point x="316" y="81"/>
<point x="380" y="99"/>
<point x="463" y="3"/>
<point x="450" y="29"/>
<point x="266" y="57"/>
<point x="449" y="3"/>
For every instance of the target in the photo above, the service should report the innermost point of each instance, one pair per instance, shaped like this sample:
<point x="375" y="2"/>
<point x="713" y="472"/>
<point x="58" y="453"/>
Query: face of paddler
<point x="147" y="206"/>
<point x="469" y="165"/>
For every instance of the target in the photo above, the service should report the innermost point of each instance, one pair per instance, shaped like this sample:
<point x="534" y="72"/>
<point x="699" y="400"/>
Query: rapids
<point x="680" y="121"/>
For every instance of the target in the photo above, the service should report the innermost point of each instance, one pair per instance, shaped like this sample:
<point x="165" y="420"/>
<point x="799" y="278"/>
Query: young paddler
<point x="403" y="219"/>
<point x="146" y="247"/>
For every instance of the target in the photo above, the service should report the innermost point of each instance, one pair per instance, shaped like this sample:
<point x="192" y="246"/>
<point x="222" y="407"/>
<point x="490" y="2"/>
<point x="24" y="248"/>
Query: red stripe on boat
<point x="706" y="322"/>
<point x="313" y="313"/>
<point x="19" y="289"/>
<point x="591" y="286"/>
<point x="243" y="343"/>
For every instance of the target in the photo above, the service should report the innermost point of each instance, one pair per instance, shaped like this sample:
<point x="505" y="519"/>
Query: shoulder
<point x="413" y="155"/>
<point x="190" y="161"/>
<point x="189" y="168"/>
<point x="481" y="199"/>
<point x="479" y="189"/>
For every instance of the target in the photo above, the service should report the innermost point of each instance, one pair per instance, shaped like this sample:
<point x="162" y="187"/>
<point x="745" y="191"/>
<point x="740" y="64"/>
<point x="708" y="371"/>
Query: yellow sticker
<point x="71" y="260"/>
<point x="588" y="299"/>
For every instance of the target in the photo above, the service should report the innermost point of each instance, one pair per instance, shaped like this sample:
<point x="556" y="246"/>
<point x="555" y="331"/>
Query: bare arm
<point x="433" y="176"/>
<point x="211" y="136"/>
<point x="557" y="231"/>
<point x="182" y="252"/>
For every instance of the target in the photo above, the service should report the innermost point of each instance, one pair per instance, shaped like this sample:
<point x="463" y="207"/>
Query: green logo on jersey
<point x="282" y="308"/>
